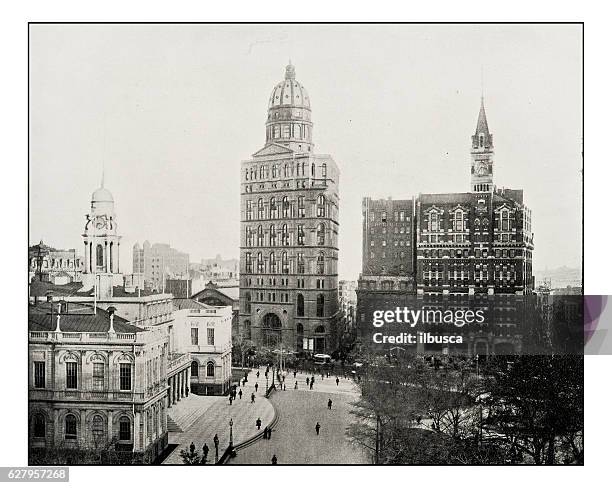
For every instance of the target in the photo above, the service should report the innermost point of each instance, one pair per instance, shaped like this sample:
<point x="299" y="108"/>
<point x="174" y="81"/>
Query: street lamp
<point x="231" y="424"/>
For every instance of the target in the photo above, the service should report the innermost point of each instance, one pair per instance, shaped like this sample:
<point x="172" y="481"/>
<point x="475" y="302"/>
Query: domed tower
<point x="101" y="242"/>
<point x="289" y="231"/>
<point x="289" y="117"/>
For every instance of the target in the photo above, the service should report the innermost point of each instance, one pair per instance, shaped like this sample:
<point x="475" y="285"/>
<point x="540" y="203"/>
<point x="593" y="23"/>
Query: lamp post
<point x="231" y="424"/>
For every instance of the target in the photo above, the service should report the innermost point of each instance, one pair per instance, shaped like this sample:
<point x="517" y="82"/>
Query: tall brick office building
<point x="474" y="243"/>
<point x="289" y="231"/>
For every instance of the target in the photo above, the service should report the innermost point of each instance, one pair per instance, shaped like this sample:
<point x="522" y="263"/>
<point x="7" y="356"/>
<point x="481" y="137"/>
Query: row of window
<point x="210" y="369"/>
<point x="320" y="311"/>
<point x="210" y="336"/>
<point x="465" y="253"/>
<point x="272" y="265"/>
<point x="98" y="428"/>
<point x="383" y="229"/>
<point x="286" y="171"/>
<point x="398" y="216"/>
<point x="459" y="224"/>
<point x="284" y="208"/>
<point x="283" y="237"/>
<point x="72" y="375"/>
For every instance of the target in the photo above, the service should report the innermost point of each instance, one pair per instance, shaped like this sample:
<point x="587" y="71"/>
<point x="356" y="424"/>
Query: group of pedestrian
<point x="267" y="433"/>
<point x="233" y="394"/>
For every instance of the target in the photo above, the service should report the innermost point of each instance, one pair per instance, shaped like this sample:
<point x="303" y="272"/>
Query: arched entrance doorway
<point x="271" y="326"/>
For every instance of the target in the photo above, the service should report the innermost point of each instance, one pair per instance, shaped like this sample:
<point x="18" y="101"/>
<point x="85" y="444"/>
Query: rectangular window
<point x="194" y="337"/>
<point x="71" y="376"/>
<point x="98" y="376"/>
<point x="39" y="374"/>
<point x="211" y="337"/>
<point x="125" y="376"/>
<point x="124" y="430"/>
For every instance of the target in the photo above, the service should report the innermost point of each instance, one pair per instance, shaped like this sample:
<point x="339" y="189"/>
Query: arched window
<point x="297" y="131"/>
<point x="321" y="234"/>
<point x="324" y="170"/>
<point x="125" y="429"/>
<point x="260" y="263"/>
<point x="285" y="235"/>
<point x="261" y="172"/>
<point x="272" y="235"/>
<point x="285" y="206"/>
<point x="97" y="429"/>
<point x="273" y="208"/>
<point x="249" y="236"/>
<point x="301" y="206"/>
<point x="40" y="426"/>
<point x="210" y="369"/>
<point x="248" y="264"/>
<point x="299" y="329"/>
<point x="247" y="298"/>
<point x="320" y="305"/>
<point x="195" y="368"/>
<point x="321" y="206"/>
<point x="253" y="174"/>
<point x="273" y="171"/>
<point x="300" y="305"/>
<point x="260" y="208"/>
<point x="286" y="170"/>
<point x="70" y="427"/>
<point x="285" y="263"/>
<point x="320" y="330"/>
<point x="272" y="263"/>
<point x="260" y="236"/>
<point x="249" y="210"/>
<point x="99" y="255"/>
<point x="321" y="264"/>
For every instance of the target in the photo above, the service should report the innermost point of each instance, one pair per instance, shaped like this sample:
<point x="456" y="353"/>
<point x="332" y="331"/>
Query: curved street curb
<point x="252" y="440"/>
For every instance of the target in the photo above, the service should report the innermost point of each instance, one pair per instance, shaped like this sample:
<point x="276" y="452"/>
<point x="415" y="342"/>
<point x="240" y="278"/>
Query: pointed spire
<point x="102" y="181"/>
<point x="482" y="127"/>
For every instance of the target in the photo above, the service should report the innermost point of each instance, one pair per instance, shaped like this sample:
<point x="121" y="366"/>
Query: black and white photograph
<point x="306" y="244"/>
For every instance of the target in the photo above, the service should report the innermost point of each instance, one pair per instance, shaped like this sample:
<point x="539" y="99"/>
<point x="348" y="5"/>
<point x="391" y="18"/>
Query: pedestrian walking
<point x="329" y="403"/>
<point x="265" y="433"/>
<point x="258" y="373"/>
<point x="231" y="397"/>
<point x="269" y="433"/>
<point x="307" y="381"/>
<point x="216" y="442"/>
<point x="205" y="452"/>
<point x="274" y="459"/>
<point x="192" y="447"/>
<point x="284" y="386"/>
<point x="252" y="397"/>
<point x="295" y="387"/>
<point x="258" y="423"/>
<point x="318" y="427"/>
<point x="240" y="394"/>
<point x="256" y="386"/>
<point x="337" y="380"/>
<point x="294" y="373"/>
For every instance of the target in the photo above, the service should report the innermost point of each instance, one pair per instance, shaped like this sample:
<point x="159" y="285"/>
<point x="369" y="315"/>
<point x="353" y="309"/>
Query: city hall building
<point x="289" y="231"/>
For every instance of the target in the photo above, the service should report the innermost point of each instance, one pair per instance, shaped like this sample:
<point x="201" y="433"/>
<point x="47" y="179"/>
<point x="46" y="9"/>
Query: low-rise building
<point x="205" y="332"/>
<point x="97" y="386"/>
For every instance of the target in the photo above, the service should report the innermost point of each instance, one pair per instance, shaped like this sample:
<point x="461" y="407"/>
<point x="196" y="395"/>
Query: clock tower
<point x="482" y="154"/>
<point x="101" y="242"/>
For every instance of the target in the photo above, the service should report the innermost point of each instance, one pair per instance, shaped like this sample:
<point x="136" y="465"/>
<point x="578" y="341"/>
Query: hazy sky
<point x="171" y="110"/>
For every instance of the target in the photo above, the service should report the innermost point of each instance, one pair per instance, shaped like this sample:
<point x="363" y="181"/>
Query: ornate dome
<point x="289" y="115"/>
<point x="289" y="92"/>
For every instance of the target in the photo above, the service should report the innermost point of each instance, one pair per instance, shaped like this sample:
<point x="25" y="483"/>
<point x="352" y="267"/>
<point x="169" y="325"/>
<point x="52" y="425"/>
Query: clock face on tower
<point x="100" y="223"/>
<point x="481" y="168"/>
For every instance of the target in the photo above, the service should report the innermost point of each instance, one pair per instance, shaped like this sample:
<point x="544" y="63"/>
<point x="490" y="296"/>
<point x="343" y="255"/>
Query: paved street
<point x="294" y="440"/>
<point x="213" y="416"/>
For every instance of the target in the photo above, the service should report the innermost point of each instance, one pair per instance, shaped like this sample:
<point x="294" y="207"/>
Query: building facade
<point x="289" y="231"/>
<point x="475" y="242"/>
<point x="205" y="332"/>
<point x="97" y="385"/>
<point x="57" y="266"/>
<point x="159" y="262"/>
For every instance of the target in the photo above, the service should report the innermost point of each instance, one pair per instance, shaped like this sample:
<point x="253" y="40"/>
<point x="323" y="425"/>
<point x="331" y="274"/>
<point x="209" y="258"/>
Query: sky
<point x="168" y="112"/>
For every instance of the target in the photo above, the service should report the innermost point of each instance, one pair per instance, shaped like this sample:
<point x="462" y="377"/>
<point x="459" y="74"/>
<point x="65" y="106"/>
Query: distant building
<point x="179" y="288"/>
<point x="222" y="272"/>
<point x="97" y="384"/>
<point x="347" y="300"/>
<point x="158" y="263"/>
<point x="57" y="266"/>
<point x="205" y="332"/>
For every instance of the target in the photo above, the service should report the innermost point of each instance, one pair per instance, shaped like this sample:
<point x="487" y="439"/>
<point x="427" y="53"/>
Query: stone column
<point x="87" y="270"/>
<point x="109" y="433"/>
<point x="174" y="389"/>
<point x="106" y="257"/>
<point x="117" y="271"/>
<point x="169" y="393"/>
<point x="136" y="431"/>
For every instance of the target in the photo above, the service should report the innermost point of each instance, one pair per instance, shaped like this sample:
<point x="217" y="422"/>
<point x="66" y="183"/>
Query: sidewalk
<point x="214" y="416"/>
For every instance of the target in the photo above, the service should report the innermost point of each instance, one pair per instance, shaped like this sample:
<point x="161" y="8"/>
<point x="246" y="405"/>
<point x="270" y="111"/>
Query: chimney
<point x="111" y="313"/>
